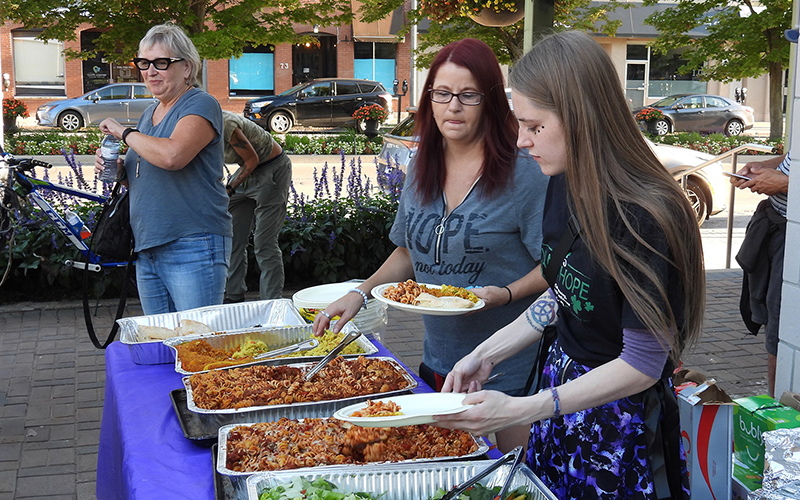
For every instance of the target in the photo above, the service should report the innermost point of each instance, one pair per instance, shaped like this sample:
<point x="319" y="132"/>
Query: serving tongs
<point x="346" y="340"/>
<point x="514" y="457"/>
<point x="300" y="346"/>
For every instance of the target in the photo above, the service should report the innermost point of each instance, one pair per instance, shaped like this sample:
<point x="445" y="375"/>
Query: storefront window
<point x="46" y="76"/>
<point x="375" y="61"/>
<point x="665" y="80"/>
<point x="253" y="74"/>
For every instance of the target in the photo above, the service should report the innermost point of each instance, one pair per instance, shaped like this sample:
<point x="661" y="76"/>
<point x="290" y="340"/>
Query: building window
<point x="46" y="76"/>
<point x="375" y="61"/>
<point x="664" y="79"/>
<point x="253" y="74"/>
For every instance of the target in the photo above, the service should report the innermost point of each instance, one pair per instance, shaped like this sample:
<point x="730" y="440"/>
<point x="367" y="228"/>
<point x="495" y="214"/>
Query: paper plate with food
<point x="437" y="300"/>
<point x="397" y="411"/>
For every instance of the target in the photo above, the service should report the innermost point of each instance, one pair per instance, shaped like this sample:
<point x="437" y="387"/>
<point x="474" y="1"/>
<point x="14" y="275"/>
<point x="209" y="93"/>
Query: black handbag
<point x="113" y="236"/>
<point x="112" y="239"/>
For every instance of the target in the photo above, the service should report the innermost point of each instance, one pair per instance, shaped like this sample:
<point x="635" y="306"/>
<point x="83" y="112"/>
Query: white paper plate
<point x="378" y="291"/>
<point x="416" y="408"/>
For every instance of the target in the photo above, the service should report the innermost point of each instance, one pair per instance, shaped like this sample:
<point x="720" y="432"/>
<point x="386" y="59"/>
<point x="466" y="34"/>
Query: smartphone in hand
<point x="738" y="176"/>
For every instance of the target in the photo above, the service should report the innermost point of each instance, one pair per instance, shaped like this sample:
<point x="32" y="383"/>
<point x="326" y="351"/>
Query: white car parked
<point x="706" y="189"/>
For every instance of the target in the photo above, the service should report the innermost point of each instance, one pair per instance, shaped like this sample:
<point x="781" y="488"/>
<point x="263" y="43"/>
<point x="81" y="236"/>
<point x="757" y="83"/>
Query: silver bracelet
<point x="363" y="296"/>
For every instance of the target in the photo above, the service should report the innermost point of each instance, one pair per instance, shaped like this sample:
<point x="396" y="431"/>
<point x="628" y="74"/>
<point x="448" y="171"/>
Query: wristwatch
<point x="126" y="132"/>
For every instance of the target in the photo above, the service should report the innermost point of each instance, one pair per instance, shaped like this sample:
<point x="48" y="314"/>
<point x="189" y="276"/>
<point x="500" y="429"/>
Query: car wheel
<point x="734" y="127"/>
<point x="698" y="198"/>
<point x="661" y="127"/>
<point x="280" y="122"/>
<point x="361" y="126"/>
<point x="70" y="121"/>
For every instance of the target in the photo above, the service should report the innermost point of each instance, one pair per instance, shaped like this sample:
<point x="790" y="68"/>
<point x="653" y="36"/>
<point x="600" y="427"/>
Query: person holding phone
<point x="761" y="253"/>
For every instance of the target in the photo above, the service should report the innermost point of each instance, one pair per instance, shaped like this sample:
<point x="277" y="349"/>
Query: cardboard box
<point x="790" y="399"/>
<point x="745" y="480"/>
<point x="752" y="417"/>
<point x="706" y="429"/>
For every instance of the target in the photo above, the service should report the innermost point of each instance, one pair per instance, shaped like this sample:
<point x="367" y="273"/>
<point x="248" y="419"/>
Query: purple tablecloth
<point x="143" y="452"/>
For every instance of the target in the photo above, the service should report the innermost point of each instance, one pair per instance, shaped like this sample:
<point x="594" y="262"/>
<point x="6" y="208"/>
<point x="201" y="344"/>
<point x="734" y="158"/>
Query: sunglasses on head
<point x="161" y="63"/>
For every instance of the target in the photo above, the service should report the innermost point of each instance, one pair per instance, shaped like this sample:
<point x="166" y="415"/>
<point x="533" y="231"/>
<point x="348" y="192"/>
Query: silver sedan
<point x="125" y="102"/>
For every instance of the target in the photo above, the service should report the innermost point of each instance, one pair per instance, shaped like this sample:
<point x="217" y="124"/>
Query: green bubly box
<point x="752" y="417"/>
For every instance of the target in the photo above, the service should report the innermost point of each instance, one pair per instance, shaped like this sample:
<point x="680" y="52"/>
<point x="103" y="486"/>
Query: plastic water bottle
<point x="109" y="151"/>
<point x="77" y="225"/>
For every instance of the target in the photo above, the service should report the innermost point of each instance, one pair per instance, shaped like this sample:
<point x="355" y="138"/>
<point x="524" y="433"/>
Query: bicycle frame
<point x="30" y="187"/>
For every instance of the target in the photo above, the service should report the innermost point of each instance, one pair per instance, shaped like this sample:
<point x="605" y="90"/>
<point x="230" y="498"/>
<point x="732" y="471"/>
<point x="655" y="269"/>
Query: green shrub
<point x="37" y="250"/>
<point x="342" y="232"/>
<point x="714" y="144"/>
<point x="86" y="142"/>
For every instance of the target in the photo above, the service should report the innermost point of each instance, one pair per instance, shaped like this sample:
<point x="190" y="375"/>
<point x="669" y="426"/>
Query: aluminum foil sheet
<point x="221" y="318"/>
<point x="403" y="481"/>
<point x="274" y="338"/>
<point x="271" y="413"/>
<point x="239" y="479"/>
<point x="782" y="466"/>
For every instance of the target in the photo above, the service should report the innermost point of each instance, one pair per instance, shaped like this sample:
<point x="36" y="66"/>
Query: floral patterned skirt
<point x="602" y="452"/>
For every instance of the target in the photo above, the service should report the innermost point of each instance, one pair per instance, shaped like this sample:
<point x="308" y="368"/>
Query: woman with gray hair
<point x="174" y="170"/>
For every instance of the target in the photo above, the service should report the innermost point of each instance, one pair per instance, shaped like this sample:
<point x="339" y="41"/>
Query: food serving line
<point x="145" y="451"/>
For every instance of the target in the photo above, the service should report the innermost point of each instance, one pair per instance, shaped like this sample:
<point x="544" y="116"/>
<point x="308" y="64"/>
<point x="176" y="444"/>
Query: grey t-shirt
<point x="167" y="205"/>
<point x="260" y="139"/>
<point x="485" y="242"/>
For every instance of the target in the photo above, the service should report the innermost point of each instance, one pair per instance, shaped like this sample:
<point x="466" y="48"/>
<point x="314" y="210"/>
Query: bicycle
<point x="17" y="184"/>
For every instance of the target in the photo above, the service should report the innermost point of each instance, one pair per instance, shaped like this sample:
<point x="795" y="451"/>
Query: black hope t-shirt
<point x="592" y="308"/>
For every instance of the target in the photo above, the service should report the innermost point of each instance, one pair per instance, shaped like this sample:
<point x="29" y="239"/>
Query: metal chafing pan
<point x="403" y="481"/>
<point x="273" y="337"/>
<point x="271" y="413"/>
<point x="239" y="479"/>
<point x="221" y="318"/>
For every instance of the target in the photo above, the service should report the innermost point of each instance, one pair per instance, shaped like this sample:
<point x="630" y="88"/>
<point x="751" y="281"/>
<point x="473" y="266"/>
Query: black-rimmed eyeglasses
<point x="161" y="63"/>
<point x="465" y="98"/>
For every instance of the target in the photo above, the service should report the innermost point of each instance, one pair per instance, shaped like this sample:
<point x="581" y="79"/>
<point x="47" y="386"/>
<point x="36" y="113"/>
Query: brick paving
<point x="52" y="380"/>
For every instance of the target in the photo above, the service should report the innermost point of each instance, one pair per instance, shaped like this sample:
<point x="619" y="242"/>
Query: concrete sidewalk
<point x="52" y="382"/>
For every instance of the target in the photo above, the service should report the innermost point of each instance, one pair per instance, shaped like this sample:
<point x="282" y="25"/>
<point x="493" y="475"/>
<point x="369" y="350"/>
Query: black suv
<point x="325" y="102"/>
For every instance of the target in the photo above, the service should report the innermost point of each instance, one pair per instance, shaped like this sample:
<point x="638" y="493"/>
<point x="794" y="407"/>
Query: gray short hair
<point x="176" y="41"/>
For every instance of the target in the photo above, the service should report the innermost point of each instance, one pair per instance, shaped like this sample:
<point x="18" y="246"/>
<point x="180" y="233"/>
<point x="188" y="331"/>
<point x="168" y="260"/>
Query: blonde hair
<point x="611" y="167"/>
<point x="175" y="40"/>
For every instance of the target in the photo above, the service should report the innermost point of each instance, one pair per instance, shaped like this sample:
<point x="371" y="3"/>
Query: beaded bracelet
<point x="556" y="401"/>
<point x="510" y="298"/>
<point x="363" y="296"/>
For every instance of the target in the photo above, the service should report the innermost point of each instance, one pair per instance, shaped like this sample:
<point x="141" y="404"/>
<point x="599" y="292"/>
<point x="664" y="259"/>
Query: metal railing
<point x="734" y="154"/>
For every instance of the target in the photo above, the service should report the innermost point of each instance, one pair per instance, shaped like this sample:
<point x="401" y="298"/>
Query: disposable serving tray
<point x="318" y="409"/>
<point x="221" y="318"/>
<point x="403" y="481"/>
<point x="239" y="479"/>
<point x="273" y="337"/>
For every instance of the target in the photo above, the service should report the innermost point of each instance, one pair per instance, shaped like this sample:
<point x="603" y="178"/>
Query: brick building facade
<point x="341" y="45"/>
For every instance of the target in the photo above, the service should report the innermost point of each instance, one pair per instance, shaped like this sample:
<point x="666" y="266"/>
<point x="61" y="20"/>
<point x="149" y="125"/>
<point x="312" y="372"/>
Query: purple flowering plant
<point x="342" y="231"/>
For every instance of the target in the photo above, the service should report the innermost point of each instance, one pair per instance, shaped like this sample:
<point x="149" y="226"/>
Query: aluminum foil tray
<point x="274" y="337"/>
<point x="239" y="479"/>
<point x="221" y="318"/>
<point x="271" y="413"/>
<point x="403" y="481"/>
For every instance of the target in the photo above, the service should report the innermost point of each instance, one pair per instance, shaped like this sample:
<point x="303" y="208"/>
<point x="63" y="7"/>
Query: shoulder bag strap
<point x="571" y="233"/>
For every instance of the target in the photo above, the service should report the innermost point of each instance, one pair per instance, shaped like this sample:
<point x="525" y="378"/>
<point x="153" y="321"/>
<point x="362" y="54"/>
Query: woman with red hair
<point x="470" y="215"/>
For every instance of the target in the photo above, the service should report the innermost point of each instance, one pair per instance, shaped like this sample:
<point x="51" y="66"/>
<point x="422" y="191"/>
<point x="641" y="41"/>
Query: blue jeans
<point x="183" y="274"/>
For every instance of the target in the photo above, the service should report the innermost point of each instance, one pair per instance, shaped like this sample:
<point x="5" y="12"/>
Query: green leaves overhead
<point x="219" y="28"/>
